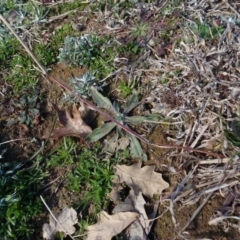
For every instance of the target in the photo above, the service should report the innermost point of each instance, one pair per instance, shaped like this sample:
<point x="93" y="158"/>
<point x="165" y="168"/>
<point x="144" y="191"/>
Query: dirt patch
<point x="198" y="229"/>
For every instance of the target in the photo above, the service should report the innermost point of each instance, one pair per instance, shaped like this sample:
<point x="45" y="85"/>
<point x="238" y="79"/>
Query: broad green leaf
<point x="101" y="101"/>
<point x="99" y="133"/>
<point x="152" y="118"/>
<point x="116" y="106"/>
<point x="136" y="149"/>
<point x="131" y="103"/>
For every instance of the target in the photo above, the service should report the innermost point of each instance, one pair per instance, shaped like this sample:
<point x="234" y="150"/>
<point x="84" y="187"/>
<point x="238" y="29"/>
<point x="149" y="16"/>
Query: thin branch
<point x="14" y="140"/>
<point x="54" y="217"/>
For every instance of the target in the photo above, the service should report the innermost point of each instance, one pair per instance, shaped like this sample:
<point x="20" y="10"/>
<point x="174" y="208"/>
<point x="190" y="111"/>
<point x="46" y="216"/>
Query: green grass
<point x="90" y="174"/>
<point x="19" y="204"/>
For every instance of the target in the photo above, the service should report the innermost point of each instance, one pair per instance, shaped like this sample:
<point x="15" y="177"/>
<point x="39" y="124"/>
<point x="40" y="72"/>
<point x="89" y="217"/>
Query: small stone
<point x="151" y="43"/>
<point x="78" y="27"/>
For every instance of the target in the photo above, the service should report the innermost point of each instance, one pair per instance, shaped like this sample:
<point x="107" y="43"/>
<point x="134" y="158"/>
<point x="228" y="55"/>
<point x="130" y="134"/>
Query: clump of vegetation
<point x="80" y="51"/>
<point x="81" y="86"/>
<point x="124" y="118"/>
<point x="93" y="176"/>
<point x="88" y="51"/>
<point x="91" y="173"/>
<point x="127" y="88"/>
<point x="19" y="205"/>
<point x="206" y="31"/>
<point x="25" y="109"/>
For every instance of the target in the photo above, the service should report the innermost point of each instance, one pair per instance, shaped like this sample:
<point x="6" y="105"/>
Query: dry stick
<point x="127" y="129"/>
<point x="14" y="140"/>
<point x="66" y="231"/>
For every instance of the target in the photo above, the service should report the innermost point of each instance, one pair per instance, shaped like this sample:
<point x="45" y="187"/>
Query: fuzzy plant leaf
<point x="101" y="101"/>
<point x="67" y="218"/>
<point x="79" y="51"/>
<point x="136" y="149"/>
<point x="110" y="225"/>
<point x="72" y="126"/>
<point x="131" y="103"/>
<point x="139" y="179"/>
<point x="151" y="118"/>
<point x="100" y="132"/>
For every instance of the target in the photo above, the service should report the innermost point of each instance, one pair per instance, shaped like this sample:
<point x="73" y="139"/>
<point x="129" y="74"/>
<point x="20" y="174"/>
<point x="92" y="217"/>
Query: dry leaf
<point x="72" y="126"/>
<point x="110" y="225"/>
<point x="140" y="228"/>
<point x="67" y="218"/>
<point x="136" y="231"/>
<point x="143" y="180"/>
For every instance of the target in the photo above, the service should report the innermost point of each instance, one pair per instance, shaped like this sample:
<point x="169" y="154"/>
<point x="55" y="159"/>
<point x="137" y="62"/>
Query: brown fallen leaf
<point x="140" y="228"/>
<point x="139" y="179"/>
<point x="110" y="225"/>
<point x="72" y="126"/>
<point x="66" y="219"/>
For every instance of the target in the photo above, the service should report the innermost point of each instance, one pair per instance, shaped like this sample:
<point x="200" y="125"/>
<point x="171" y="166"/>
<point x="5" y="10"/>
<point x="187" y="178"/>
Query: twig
<point x="54" y="217"/>
<point x="14" y="140"/>
<point x="54" y="18"/>
<point x="24" y="45"/>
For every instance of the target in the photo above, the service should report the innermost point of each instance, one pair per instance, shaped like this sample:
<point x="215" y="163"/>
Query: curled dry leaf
<point x="110" y="225"/>
<point x="139" y="179"/>
<point x="72" y="126"/>
<point x="65" y="221"/>
<point x="140" y="228"/>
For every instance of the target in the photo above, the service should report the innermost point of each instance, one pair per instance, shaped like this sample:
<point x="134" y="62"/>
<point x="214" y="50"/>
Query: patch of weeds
<point x="140" y="30"/>
<point x="129" y="49"/>
<point x="9" y="47"/>
<point x="23" y="75"/>
<point x="127" y="88"/>
<point x="88" y="51"/>
<point x="92" y="175"/>
<point x="19" y="186"/>
<point x="25" y="109"/>
<point x="205" y="31"/>
<point x="115" y="6"/>
<point x="60" y="34"/>
<point x="81" y="86"/>
<point x="80" y="51"/>
<point x="38" y="12"/>
<point x="120" y="139"/>
<point x="68" y="6"/>
<point x="234" y="135"/>
<point x="46" y="54"/>
<point x="64" y="154"/>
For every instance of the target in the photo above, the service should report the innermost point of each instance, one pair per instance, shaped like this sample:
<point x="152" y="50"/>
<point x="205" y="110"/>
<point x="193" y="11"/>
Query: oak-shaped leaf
<point x="65" y="221"/>
<point x="72" y="125"/>
<point x="139" y="179"/>
<point x="110" y="225"/>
